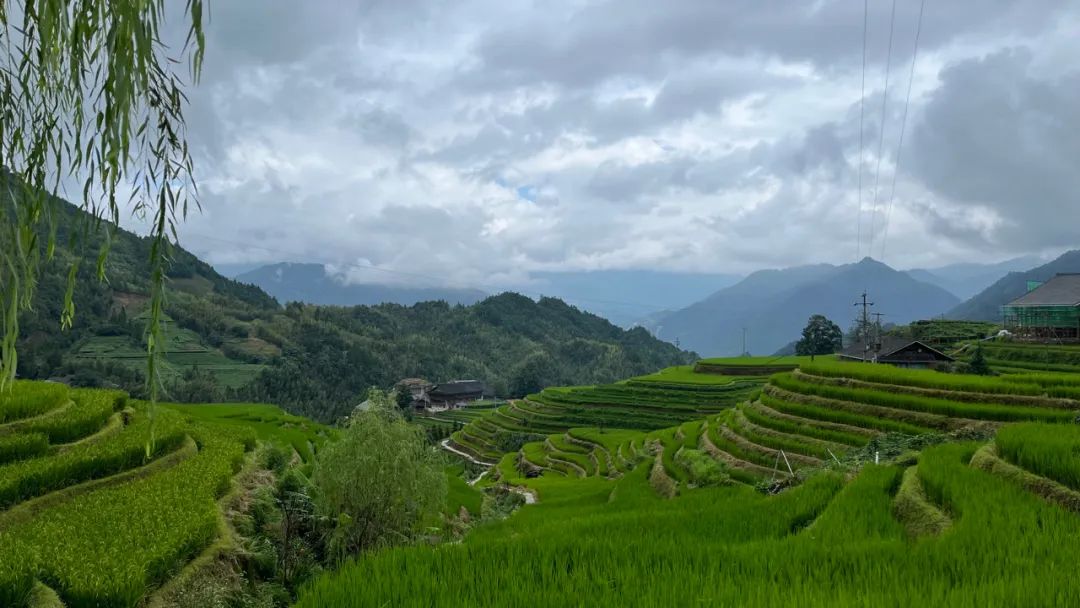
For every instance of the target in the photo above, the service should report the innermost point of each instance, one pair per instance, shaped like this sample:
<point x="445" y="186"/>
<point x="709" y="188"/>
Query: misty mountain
<point x="966" y="280"/>
<point x="986" y="306"/>
<point x="625" y="297"/>
<point x="774" y="305"/>
<point x="311" y="284"/>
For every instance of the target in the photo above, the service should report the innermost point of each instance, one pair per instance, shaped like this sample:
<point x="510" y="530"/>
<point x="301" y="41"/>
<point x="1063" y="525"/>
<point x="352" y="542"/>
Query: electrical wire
<point x="881" y="136"/>
<point x="862" y="112"/>
<point x="903" y="124"/>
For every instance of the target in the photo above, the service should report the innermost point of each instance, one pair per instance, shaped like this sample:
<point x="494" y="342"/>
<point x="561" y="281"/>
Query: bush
<point x="378" y="482"/>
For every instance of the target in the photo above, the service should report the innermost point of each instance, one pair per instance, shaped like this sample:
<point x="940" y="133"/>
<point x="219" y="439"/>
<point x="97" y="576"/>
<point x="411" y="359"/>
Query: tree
<point x="978" y="364"/>
<point x="820" y="337"/>
<point x="379" y="481"/>
<point x="88" y="93"/>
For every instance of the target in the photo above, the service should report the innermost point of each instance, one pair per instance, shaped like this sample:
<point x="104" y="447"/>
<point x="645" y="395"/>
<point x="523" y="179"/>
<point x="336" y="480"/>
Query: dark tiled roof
<point x="458" y="387"/>
<point x="1062" y="290"/>
<point x="890" y="345"/>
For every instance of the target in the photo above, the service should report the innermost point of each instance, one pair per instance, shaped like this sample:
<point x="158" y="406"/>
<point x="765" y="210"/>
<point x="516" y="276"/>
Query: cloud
<point x="1000" y="137"/>
<point x="476" y="142"/>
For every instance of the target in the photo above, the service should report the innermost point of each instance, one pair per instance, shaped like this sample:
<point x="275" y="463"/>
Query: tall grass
<point x="107" y="547"/>
<point x="916" y="403"/>
<point x="815" y="412"/>
<point x="36" y="476"/>
<point x="26" y="399"/>
<point x="615" y="544"/>
<point x="888" y="374"/>
<point x="753" y="414"/>
<point x="1049" y="450"/>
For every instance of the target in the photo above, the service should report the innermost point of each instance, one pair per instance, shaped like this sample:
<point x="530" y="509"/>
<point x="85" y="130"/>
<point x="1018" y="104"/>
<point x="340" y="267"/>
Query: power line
<point x="439" y="282"/>
<point x="881" y="136"/>
<point x="903" y="124"/>
<point x="862" y="105"/>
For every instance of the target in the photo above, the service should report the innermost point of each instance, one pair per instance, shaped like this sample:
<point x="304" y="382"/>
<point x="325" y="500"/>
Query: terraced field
<point x="945" y="530"/>
<point x="90" y="507"/>
<point x="979" y="482"/>
<point x="646" y="403"/>
<point x="184" y="351"/>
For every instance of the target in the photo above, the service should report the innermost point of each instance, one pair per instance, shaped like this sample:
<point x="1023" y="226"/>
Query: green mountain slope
<point x="773" y="306"/>
<point x="227" y="340"/>
<point x="986" y="306"/>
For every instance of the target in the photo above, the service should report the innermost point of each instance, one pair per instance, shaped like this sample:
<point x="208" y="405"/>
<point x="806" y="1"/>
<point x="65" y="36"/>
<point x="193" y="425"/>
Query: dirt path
<point x="445" y="444"/>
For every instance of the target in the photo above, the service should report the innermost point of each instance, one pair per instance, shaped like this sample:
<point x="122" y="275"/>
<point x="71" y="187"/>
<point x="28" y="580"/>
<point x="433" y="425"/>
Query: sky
<point x="472" y="143"/>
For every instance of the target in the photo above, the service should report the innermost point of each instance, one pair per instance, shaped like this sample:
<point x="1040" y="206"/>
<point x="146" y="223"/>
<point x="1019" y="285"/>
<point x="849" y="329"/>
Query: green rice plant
<point x="863" y="510"/>
<point x="716" y="436"/>
<point x="778" y="440"/>
<point x="1044" y="379"/>
<point x="535" y="453"/>
<point x="941" y="407"/>
<point x="681" y="375"/>
<point x="22" y="446"/>
<point x="26" y="399"/>
<point x="753" y="413"/>
<point x="107" y="547"/>
<point x="270" y="423"/>
<point x="90" y="411"/>
<point x="1049" y="450"/>
<point x="610" y="439"/>
<point x="460" y="494"/>
<point x="1035" y="366"/>
<point x="36" y="476"/>
<point x="842" y="417"/>
<point x="931" y="379"/>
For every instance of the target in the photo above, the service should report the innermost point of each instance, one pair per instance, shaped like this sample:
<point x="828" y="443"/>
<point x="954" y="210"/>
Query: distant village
<point x="428" y="397"/>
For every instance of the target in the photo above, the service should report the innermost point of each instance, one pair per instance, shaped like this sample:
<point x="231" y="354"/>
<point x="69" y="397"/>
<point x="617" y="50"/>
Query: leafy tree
<point x="379" y="482"/>
<point x="820" y="337"/>
<point x="88" y="92"/>
<point x="533" y="374"/>
<point x="978" y="364"/>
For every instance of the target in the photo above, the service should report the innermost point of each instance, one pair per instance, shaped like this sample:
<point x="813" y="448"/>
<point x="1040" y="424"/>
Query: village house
<point x="901" y="352"/>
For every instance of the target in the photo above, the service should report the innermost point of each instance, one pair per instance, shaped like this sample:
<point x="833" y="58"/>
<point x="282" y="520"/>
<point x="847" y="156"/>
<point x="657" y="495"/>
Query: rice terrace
<point x="601" y="303"/>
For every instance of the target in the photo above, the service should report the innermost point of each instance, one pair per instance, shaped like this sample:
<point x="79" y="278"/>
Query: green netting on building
<point x="1023" y="317"/>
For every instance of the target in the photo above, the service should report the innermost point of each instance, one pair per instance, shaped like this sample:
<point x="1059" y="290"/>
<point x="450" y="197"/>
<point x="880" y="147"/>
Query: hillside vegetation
<point x="89" y="507"/>
<point x="230" y="341"/>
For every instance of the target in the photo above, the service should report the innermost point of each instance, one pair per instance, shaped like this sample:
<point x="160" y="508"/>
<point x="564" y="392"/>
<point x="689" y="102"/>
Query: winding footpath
<point x="530" y="497"/>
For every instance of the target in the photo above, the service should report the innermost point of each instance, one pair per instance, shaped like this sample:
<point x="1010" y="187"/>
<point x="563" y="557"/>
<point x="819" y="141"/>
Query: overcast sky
<point x="478" y="141"/>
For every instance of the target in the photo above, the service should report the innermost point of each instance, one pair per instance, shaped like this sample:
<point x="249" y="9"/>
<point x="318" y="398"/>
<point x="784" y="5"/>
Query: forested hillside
<point x="986" y="306"/>
<point x="227" y="340"/>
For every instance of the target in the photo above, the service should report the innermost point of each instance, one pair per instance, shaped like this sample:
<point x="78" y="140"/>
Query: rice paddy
<point x="628" y="515"/>
<point x="91" y="508"/>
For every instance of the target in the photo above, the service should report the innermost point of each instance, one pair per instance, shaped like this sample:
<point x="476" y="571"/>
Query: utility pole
<point x="864" y="325"/>
<point x="743" y="354"/>
<point x="877" y="332"/>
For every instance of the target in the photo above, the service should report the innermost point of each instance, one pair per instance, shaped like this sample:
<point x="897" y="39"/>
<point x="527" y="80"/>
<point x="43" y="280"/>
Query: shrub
<point x="378" y="482"/>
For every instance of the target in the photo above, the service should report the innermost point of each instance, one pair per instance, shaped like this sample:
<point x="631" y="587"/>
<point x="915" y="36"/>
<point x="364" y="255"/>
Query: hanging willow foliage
<point x="89" y="95"/>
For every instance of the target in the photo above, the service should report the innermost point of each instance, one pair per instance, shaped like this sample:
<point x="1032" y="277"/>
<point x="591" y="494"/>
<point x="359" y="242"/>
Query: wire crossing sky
<point x="482" y="141"/>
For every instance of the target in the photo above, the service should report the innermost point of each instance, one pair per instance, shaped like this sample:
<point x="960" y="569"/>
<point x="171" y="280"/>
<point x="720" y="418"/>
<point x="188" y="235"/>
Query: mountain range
<point x="313" y="284"/>
<point x="772" y="306"/>
<point x="967" y="279"/>
<point x="986" y="305"/>
<point x="620" y="296"/>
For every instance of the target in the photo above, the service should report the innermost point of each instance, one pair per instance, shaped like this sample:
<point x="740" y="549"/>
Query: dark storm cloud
<point x="997" y="134"/>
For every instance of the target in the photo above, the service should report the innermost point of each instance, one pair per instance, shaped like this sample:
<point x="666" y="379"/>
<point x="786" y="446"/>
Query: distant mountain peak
<point x="313" y="284"/>
<point x="773" y="306"/>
